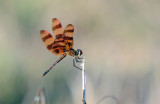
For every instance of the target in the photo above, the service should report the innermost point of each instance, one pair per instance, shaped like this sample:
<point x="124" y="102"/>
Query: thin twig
<point x="41" y="97"/>
<point x="105" y="97"/>
<point x="83" y="82"/>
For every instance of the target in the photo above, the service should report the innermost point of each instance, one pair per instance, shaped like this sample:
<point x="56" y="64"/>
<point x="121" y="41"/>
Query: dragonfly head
<point x="79" y="52"/>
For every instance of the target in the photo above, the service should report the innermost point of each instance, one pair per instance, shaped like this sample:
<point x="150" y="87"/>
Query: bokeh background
<point x="120" y="40"/>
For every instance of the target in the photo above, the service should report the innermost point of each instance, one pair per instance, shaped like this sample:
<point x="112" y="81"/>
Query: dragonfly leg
<point x="80" y="57"/>
<point x="78" y="61"/>
<point x="75" y="64"/>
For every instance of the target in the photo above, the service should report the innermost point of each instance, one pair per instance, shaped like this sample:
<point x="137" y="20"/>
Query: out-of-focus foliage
<point x="119" y="38"/>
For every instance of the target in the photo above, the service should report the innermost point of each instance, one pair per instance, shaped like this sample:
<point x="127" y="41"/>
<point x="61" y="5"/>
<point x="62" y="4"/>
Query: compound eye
<point x="80" y="52"/>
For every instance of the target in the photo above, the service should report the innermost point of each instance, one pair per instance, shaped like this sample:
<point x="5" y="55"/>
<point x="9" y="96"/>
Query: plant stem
<point x="83" y="82"/>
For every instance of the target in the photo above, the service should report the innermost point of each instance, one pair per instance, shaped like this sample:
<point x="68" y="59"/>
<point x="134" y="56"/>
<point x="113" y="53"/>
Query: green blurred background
<point x="120" y="40"/>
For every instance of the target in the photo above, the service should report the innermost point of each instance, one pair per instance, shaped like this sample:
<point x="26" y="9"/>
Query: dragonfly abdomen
<point x="62" y="56"/>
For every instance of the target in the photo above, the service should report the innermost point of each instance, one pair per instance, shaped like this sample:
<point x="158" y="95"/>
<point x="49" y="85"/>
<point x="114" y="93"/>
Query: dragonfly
<point x="61" y="44"/>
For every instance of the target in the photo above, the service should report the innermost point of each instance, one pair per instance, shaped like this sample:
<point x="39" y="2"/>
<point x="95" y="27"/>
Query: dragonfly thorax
<point x="73" y="52"/>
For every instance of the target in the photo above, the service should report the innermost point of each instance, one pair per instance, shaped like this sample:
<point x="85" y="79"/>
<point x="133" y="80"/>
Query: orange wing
<point x="57" y="28"/>
<point x="59" y="46"/>
<point x="48" y="39"/>
<point x="68" y="32"/>
<point x="63" y="39"/>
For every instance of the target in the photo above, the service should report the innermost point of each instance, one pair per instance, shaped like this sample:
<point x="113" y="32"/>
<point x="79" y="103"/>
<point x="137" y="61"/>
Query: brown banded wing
<point x="48" y="39"/>
<point x="68" y="32"/>
<point x="58" y="46"/>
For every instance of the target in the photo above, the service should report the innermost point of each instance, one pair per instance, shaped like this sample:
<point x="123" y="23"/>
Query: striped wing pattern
<point x="59" y="44"/>
<point x="48" y="39"/>
<point x="57" y="27"/>
<point x="68" y="32"/>
<point x="63" y="39"/>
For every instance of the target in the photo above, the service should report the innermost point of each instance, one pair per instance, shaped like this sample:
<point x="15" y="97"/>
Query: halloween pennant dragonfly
<point x="62" y="44"/>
